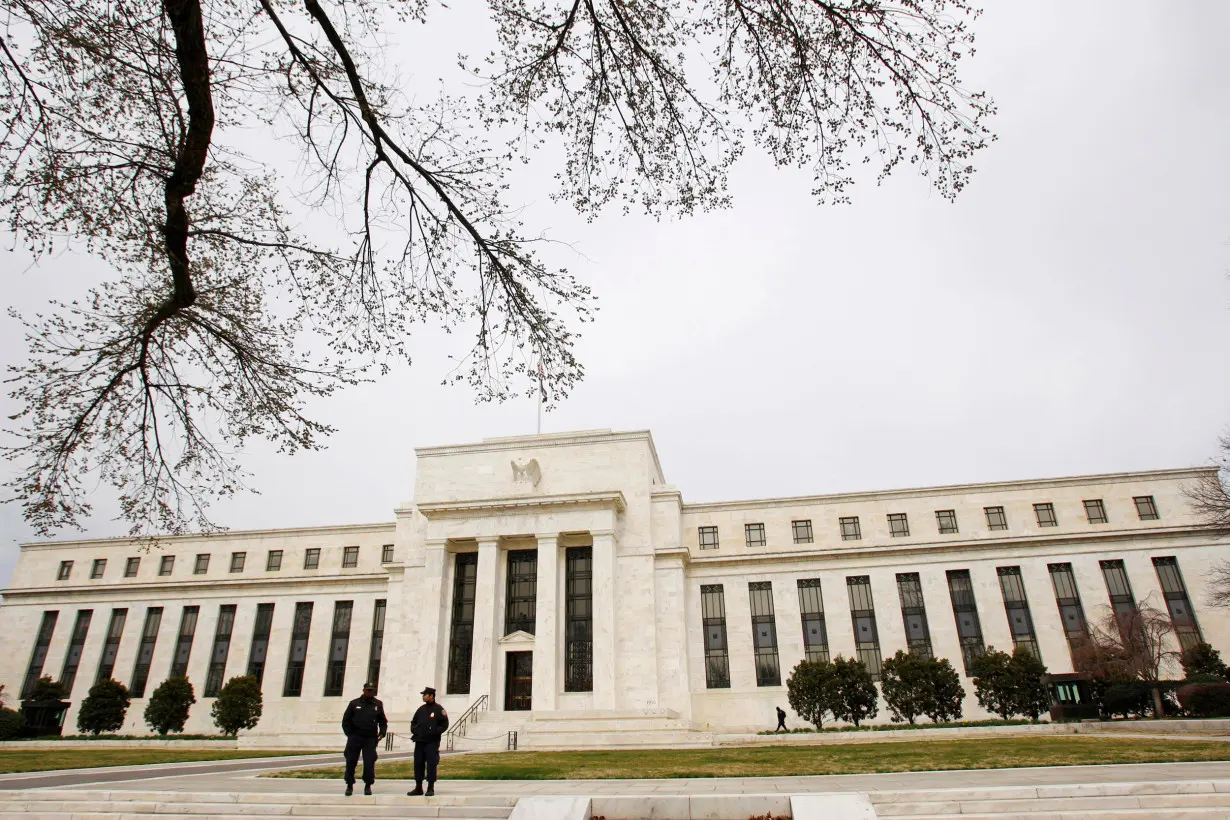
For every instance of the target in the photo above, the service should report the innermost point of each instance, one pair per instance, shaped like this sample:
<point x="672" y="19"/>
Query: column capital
<point x="547" y="536"/>
<point x="435" y="543"/>
<point x="602" y="533"/>
<point x="487" y="541"/>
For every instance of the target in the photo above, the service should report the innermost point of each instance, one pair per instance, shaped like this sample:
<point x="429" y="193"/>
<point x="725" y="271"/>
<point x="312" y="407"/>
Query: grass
<point x="901" y="756"/>
<point x="124" y="737"/>
<point x="42" y="760"/>
<point x="885" y="727"/>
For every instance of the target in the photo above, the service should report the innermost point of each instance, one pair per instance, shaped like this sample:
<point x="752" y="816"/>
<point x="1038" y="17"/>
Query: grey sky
<point x="1068" y="314"/>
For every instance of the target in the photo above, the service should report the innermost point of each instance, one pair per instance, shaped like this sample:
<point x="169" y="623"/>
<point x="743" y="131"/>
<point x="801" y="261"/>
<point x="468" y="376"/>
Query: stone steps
<point x="649" y="738"/>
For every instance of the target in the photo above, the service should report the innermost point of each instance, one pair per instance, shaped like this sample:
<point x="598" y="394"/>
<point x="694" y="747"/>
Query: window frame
<point x="65" y="572"/>
<point x="386" y="553"/>
<point x="991" y="514"/>
<point x="166" y="566"/>
<point x="850" y="528"/>
<point x="98" y="568"/>
<point x="350" y="557"/>
<point x="1098" y="505"/>
<point x="702" y="534"/>
<point x="239" y="560"/>
<point x="1150" y="504"/>
<point x="802" y="531"/>
<point x="1044" y="514"/>
<point x="132" y="566"/>
<point x="902" y="519"/>
<point x="311" y="558"/>
<point x="200" y="567"/>
<point x="754" y="534"/>
<point x="273" y="561"/>
<point x="950" y="528"/>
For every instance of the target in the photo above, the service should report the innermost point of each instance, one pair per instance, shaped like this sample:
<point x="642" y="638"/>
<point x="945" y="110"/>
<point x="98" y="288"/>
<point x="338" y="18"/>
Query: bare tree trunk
<point x="1158" y="709"/>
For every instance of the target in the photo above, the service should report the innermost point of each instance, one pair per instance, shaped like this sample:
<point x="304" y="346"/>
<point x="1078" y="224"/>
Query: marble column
<point x="482" y="658"/>
<point x="604" y="619"/>
<point x="546" y="626"/>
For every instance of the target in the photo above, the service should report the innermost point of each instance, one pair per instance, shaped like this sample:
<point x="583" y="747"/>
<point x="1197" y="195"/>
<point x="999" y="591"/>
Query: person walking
<point x="365" y="725"/>
<point x="426" y="728"/>
<point x="781" y="720"/>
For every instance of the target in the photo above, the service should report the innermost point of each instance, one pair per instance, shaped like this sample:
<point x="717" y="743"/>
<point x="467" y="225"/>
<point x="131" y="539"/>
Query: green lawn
<point x="40" y="760"/>
<point x="861" y="758"/>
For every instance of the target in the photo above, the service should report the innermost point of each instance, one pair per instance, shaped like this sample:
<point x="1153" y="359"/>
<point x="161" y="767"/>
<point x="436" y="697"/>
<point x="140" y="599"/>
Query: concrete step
<point x="613" y="740"/>
<point x="101" y="813"/>
<point x="390" y="793"/>
<point x="1112" y="814"/>
<point x="608" y="725"/>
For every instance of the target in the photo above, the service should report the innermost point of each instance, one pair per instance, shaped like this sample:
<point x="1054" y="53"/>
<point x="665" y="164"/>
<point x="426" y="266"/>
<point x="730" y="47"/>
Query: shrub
<point x="1127" y="698"/>
<point x="949" y="694"/>
<point x="1205" y="699"/>
<point x="104" y="708"/>
<point x="1" y="695"/>
<point x="167" y="710"/>
<point x="854" y="694"/>
<point x="12" y="724"/>
<point x="1031" y="697"/>
<point x="46" y="689"/>
<point x="914" y="686"/>
<point x="809" y="691"/>
<point x="1202" y="661"/>
<point x="1010" y="684"/>
<point x="239" y="705"/>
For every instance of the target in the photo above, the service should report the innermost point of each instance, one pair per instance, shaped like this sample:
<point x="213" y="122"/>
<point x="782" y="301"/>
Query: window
<point x="1045" y="514"/>
<point x="76" y="646"/>
<point x="708" y="537"/>
<point x="802" y="531"/>
<point x="898" y="525"/>
<point x="754" y="534"/>
<point x="1020" y="621"/>
<point x="461" y="631"/>
<point x="946" y="520"/>
<point x="579" y="619"/>
<point x="863" y="615"/>
<point x="339" y="647"/>
<point x="1095" y="511"/>
<point x="1122" y="601"/>
<point x="811" y="608"/>
<point x="66" y="570"/>
<point x="296" y="658"/>
<point x="764" y="633"/>
<point x="1145" y="508"/>
<point x="273" y="561"/>
<point x="521" y="591"/>
<point x="202" y="564"/>
<point x="350" y="557"/>
<point x="183" y="644"/>
<point x="914" y="614"/>
<point x="260" y="641"/>
<point x="238" y="559"/>
<point x="965" y="611"/>
<point x="222" y="648"/>
<point x="111" y="645"/>
<point x="713" y="620"/>
<point x="386" y="554"/>
<point x="1071" y="612"/>
<point x="311" y="558"/>
<point x="996" y="520"/>
<point x="39" y="657"/>
<point x="131" y="567"/>
<point x="377" y="646"/>
<point x="166" y="565"/>
<point x="849" y="528"/>
<point x="98" y="568"/>
<point x="145" y="652"/>
<point x="1180" y="606"/>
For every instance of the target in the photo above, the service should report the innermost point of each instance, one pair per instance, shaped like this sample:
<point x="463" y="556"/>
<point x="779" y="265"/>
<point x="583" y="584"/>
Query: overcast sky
<point x="1068" y="314"/>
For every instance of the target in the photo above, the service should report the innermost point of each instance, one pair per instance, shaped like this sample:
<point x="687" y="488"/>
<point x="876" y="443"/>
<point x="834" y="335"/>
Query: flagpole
<point x="540" y="412"/>
<point x="542" y="392"/>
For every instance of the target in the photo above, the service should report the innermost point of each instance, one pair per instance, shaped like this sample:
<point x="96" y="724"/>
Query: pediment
<point x="520" y="637"/>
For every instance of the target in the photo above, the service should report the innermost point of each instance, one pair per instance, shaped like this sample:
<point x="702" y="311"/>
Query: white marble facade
<point x="606" y="491"/>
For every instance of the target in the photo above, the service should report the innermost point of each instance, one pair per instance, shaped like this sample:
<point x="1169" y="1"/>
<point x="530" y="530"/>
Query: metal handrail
<point x="458" y="727"/>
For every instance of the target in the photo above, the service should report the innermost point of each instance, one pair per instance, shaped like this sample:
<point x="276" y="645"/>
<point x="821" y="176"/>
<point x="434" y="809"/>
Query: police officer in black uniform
<point x="365" y="725"/>
<point x="426" y="728"/>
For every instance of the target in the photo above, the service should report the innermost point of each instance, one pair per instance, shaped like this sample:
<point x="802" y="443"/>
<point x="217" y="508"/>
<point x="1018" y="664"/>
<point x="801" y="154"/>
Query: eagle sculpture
<point x="528" y="471"/>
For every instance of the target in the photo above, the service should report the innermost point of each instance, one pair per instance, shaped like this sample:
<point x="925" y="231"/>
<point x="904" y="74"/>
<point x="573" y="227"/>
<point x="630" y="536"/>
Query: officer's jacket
<point x="429" y="723"/>
<point x="364" y="718"/>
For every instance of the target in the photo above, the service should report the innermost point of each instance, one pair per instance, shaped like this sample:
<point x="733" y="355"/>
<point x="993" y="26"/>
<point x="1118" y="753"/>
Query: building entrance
<point x="518" y="681"/>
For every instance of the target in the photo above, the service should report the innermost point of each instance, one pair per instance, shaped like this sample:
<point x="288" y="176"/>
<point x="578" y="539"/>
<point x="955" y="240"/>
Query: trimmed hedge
<point x="1205" y="699"/>
<point x="12" y="724"/>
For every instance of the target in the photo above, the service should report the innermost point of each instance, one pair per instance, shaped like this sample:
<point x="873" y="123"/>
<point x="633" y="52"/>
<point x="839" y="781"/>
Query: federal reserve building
<point x="562" y="582"/>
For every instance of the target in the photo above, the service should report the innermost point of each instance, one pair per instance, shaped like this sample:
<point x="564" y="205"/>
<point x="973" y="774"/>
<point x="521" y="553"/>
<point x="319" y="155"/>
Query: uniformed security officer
<point x="365" y="725"/>
<point x="426" y="728"/>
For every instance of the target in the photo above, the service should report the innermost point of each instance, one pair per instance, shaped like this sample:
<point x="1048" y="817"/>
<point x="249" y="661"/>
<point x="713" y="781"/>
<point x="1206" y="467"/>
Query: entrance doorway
<point x="518" y="681"/>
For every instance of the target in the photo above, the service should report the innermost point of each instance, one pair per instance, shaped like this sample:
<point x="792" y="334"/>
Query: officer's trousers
<point x="426" y="759"/>
<point x="367" y="746"/>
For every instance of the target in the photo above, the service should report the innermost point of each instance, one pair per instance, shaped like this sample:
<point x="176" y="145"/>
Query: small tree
<point x="993" y="682"/>
<point x="239" y="705"/>
<point x="46" y="689"/>
<point x="949" y="695"/>
<point x="167" y="710"/>
<point x="809" y="690"/>
<point x="1135" y="644"/>
<point x="1202" y="661"/>
<point x="104" y="708"/>
<point x="1030" y="694"/>
<point x="907" y="686"/>
<point x="854" y="696"/>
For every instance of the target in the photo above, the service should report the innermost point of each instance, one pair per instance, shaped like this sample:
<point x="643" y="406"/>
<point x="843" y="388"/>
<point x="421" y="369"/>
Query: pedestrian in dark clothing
<point x="365" y="725"/>
<point x="781" y="720"/>
<point x="426" y="728"/>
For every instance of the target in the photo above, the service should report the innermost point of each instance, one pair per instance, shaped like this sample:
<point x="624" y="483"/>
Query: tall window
<point x="1068" y="598"/>
<point x="222" y="648"/>
<point x="145" y="652"/>
<point x="713" y="620"/>
<point x="386" y="554"/>
<point x="260" y="641"/>
<point x="764" y="633"/>
<point x="850" y="530"/>
<point x="111" y="645"/>
<point x="238" y="559"/>
<point x="946" y="520"/>
<point x="1020" y="622"/>
<point x="522" y="591"/>
<point x="708" y="537"/>
<point x="65" y="571"/>
<point x="339" y="647"/>
<point x="754" y="534"/>
<point x="802" y="531"/>
<point x="350" y="557"/>
<point x="75" y="647"/>
<point x="131" y="566"/>
<point x="811" y="608"/>
<point x="898" y="525"/>
<point x="296" y="659"/>
<point x="461" y="631"/>
<point x="996" y="520"/>
<point x="202" y="564"/>
<point x="914" y="614"/>
<point x="1175" y="591"/>
<point x="39" y="657"/>
<point x="373" y="657"/>
<point x="1045" y="513"/>
<point x="579" y="619"/>
<point x="273" y="561"/>
<point x="863" y="614"/>
<point x="183" y="643"/>
<point x="1122" y="601"/>
<point x="100" y="566"/>
<point x="166" y="565"/>
<point x="965" y="610"/>
<point x="1146" y="508"/>
<point x="311" y="558"/>
<point x="1095" y="511"/>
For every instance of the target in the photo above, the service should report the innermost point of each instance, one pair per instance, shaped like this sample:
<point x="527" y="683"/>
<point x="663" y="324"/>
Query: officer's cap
<point x="428" y="691"/>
